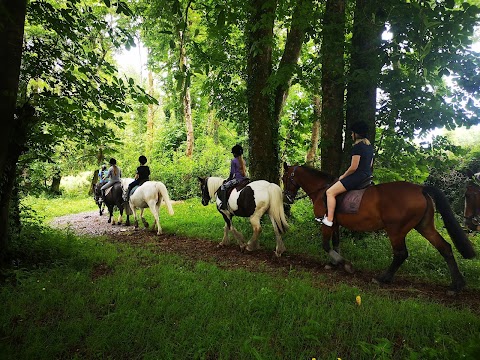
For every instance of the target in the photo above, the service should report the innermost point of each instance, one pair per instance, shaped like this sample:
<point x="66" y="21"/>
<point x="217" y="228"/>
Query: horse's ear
<point x="200" y="179"/>
<point x="469" y="173"/>
<point x="285" y="166"/>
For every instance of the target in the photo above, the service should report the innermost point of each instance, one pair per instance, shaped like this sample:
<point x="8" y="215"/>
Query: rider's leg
<point x="222" y="195"/>
<point x="335" y="190"/>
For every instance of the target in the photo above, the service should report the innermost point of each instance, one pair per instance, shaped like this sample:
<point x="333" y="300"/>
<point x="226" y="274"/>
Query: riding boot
<point x="222" y="195"/>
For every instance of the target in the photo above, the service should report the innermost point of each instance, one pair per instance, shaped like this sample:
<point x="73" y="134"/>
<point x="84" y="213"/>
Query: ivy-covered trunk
<point x="186" y="100"/>
<point x="310" y="158"/>
<point x="333" y="86"/>
<point x="365" y="67"/>
<point x="12" y="18"/>
<point x="263" y="129"/>
<point x="265" y="105"/>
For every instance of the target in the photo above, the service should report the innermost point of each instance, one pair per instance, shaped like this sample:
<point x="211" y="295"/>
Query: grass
<point x="82" y="298"/>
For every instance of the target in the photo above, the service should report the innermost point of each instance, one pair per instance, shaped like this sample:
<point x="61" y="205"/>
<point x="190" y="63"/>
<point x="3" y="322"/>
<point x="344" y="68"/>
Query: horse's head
<point x="97" y="194"/>
<point x="290" y="186"/>
<point x="204" y="189"/>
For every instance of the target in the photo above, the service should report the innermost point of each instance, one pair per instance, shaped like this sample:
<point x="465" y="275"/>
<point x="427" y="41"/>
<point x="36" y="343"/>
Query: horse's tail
<point x="458" y="236"/>
<point x="162" y="189"/>
<point x="276" y="207"/>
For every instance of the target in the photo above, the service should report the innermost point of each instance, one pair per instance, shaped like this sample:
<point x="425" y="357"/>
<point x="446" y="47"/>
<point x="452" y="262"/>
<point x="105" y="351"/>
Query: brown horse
<point x="471" y="211"/>
<point x="396" y="207"/>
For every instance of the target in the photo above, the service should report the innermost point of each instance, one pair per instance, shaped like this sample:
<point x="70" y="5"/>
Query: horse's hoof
<point x="348" y="268"/>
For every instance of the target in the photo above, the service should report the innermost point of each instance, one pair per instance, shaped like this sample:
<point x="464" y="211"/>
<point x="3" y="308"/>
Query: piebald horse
<point x="396" y="207"/>
<point x="149" y="194"/>
<point x="254" y="200"/>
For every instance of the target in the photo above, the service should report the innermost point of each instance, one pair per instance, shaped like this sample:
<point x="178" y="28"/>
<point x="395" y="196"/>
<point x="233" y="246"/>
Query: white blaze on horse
<point x="149" y="194"/>
<point x="254" y="200"/>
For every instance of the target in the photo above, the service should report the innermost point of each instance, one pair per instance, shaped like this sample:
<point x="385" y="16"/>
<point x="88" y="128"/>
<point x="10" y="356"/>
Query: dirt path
<point x="230" y="257"/>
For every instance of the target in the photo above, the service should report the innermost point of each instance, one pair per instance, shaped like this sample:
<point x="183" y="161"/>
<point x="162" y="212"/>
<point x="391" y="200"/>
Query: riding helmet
<point x="104" y="167"/>
<point x="360" y="128"/>
<point x="237" y="150"/>
<point x="142" y="159"/>
<point x="112" y="161"/>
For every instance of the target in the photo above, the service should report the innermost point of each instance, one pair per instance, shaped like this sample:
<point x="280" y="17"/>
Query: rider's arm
<point x="352" y="168"/>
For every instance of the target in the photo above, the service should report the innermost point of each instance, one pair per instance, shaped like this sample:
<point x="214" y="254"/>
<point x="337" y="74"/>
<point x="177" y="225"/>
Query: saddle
<point x="349" y="202"/>
<point x="239" y="186"/>
<point x="137" y="186"/>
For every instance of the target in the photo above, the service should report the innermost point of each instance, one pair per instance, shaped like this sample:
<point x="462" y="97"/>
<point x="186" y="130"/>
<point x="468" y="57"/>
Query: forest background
<point x="285" y="79"/>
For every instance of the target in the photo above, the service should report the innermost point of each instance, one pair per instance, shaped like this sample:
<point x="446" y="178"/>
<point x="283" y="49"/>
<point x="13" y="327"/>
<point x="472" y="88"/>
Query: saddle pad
<point x="349" y="202"/>
<point x="239" y="186"/>
<point x="108" y="190"/>
<point x="133" y="189"/>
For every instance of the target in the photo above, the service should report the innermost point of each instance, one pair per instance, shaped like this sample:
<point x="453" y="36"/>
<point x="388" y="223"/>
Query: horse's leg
<point x="280" y="248"/>
<point x="120" y="217"/>
<point x="110" y="212"/>
<point x="331" y="233"/>
<point x="155" y="209"/>
<point x="400" y="254"/>
<point x="230" y="228"/>
<point x="427" y="229"/>
<point x="145" y="223"/>
<point x="257" y="229"/>
<point x="135" y="221"/>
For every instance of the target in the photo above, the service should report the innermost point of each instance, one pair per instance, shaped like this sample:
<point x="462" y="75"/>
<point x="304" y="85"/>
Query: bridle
<point x="291" y="195"/>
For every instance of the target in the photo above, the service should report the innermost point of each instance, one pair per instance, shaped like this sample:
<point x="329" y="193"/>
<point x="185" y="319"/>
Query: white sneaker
<point x="324" y="221"/>
<point x="327" y="222"/>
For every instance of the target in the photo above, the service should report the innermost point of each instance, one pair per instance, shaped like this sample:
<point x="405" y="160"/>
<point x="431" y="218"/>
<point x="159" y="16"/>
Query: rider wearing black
<point x="142" y="175"/>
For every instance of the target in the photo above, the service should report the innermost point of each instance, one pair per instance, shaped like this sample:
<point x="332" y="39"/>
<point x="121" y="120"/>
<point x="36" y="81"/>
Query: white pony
<point x="149" y="194"/>
<point x="254" y="200"/>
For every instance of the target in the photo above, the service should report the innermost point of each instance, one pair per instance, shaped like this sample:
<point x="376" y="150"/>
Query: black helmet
<point x="142" y="160"/>
<point x="360" y="128"/>
<point x="237" y="150"/>
<point x="112" y="161"/>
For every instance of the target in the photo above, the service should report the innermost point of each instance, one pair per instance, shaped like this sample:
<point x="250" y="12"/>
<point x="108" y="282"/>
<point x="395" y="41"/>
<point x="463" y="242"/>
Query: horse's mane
<point x="318" y="173"/>
<point x="213" y="184"/>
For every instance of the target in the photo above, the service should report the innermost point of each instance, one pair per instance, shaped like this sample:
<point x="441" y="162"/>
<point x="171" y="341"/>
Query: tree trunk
<point x="365" y="67"/>
<point x="301" y="19"/>
<point x="187" y="103"/>
<point x="150" y="116"/>
<point x="263" y="130"/>
<point x="55" y="187"/>
<point x="12" y="18"/>
<point x="317" y="113"/>
<point x="333" y="86"/>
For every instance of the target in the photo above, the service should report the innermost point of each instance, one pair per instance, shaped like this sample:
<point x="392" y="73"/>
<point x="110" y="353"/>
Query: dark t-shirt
<point x="143" y="172"/>
<point x="366" y="155"/>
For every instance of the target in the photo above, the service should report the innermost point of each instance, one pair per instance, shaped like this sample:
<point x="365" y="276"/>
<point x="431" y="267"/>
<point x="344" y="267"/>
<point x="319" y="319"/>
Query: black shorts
<point x="351" y="182"/>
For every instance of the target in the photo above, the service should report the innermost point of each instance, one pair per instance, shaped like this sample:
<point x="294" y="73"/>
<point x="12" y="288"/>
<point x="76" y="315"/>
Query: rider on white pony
<point x="237" y="175"/>
<point x="142" y="175"/>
